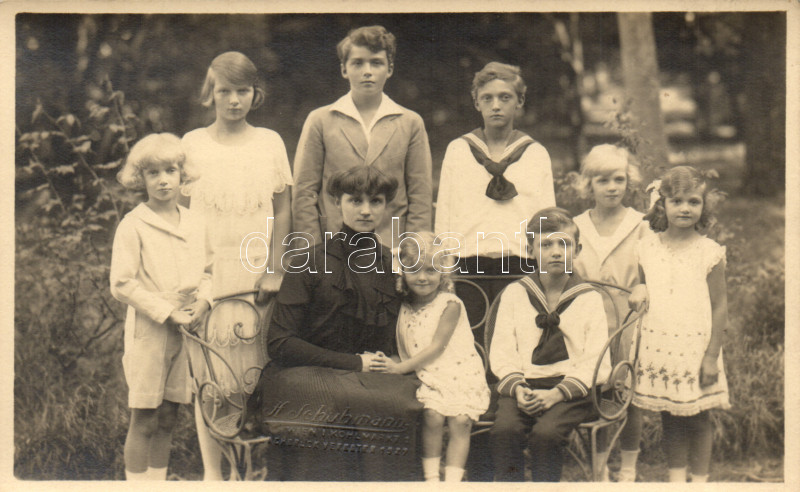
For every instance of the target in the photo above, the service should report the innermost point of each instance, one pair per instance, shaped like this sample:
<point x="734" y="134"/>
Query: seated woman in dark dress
<point x="332" y="412"/>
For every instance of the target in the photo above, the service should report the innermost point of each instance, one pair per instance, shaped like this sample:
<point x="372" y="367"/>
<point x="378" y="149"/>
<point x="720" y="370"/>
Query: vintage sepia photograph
<point x="396" y="245"/>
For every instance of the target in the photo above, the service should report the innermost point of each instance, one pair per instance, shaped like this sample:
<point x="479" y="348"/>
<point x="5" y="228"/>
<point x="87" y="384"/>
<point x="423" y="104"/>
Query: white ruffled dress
<point x="234" y="192"/>
<point x="454" y="383"/>
<point x="677" y="328"/>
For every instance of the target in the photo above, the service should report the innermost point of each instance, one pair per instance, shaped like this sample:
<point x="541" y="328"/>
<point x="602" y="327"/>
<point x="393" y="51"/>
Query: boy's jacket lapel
<point x="381" y="134"/>
<point x="352" y="131"/>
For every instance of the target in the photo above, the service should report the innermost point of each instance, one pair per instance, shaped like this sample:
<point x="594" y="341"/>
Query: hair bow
<point x="654" y="189"/>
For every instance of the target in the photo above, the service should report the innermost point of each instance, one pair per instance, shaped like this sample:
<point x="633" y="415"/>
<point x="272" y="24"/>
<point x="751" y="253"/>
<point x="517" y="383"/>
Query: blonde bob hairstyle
<point x="154" y="149"/>
<point x="416" y="252"/>
<point x="604" y="160"/>
<point x="237" y="69"/>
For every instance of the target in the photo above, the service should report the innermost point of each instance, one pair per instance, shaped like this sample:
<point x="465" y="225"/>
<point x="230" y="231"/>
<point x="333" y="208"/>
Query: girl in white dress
<point x="243" y="192"/>
<point x="609" y="234"/>
<point x="680" y="372"/>
<point x="435" y="340"/>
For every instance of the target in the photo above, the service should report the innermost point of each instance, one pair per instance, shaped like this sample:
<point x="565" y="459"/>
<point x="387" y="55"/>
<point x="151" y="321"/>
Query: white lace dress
<point x="677" y="328"/>
<point x="234" y="192"/>
<point x="454" y="383"/>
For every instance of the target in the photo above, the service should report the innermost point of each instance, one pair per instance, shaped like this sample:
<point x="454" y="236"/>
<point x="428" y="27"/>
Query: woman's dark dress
<point x="329" y="421"/>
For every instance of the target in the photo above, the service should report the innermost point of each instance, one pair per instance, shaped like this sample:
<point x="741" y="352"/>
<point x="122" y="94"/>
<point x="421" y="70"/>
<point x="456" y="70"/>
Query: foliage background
<point x="88" y="86"/>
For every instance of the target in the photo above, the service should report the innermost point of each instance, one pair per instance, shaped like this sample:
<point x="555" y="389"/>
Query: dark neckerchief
<point x="551" y="347"/>
<point x="499" y="188"/>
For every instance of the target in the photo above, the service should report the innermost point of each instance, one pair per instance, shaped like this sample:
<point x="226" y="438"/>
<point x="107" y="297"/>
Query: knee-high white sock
<point x="677" y="475"/>
<point x="629" y="458"/>
<point x="209" y="449"/>
<point x="157" y="474"/>
<point x="453" y="473"/>
<point x="699" y="478"/>
<point x="602" y="456"/>
<point x="131" y="476"/>
<point x="627" y="469"/>
<point x="430" y="468"/>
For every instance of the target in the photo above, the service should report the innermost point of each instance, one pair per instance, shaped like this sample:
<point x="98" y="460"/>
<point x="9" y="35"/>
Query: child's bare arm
<point x="447" y="325"/>
<point x="718" y="293"/>
<point x="270" y="282"/>
<point x="639" y="297"/>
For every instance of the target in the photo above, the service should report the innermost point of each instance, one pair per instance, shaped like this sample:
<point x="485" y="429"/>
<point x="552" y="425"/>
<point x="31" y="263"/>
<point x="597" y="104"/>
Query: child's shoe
<point x="453" y="474"/>
<point x="626" y="475"/>
<point x="430" y="468"/>
<point x="627" y="469"/>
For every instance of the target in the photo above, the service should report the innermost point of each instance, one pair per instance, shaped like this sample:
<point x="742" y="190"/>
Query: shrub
<point x="69" y="395"/>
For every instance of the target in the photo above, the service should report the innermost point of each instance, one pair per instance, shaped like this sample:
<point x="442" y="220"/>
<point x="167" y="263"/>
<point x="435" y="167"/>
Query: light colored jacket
<point x="157" y="267"/>
<point x="334" y="140"/>
<point x="613" y="259"/>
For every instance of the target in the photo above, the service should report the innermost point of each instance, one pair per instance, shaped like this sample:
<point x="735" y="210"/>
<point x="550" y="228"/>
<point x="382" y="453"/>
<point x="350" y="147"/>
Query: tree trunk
<point x="569" y="38"/>
<point x="764" y="111"/>
<point x="640" y="74"/>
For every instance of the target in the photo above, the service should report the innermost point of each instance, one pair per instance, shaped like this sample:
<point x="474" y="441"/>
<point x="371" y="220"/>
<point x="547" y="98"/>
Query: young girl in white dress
<point x="243" y="192"/>
<point x="435" y="340"/>
<point x="680" y="372"/>
<point x="609" y="234"/>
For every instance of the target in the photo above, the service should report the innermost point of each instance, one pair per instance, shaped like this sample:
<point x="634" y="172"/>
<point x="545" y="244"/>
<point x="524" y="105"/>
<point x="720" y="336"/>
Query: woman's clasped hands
<point x="378" y="362"/>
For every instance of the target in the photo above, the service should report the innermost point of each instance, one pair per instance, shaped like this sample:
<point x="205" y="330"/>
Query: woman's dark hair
<point x="362" y="180"/>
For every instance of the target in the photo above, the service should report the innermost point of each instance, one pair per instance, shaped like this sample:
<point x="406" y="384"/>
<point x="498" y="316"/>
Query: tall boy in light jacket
<point x="363" y="128"/>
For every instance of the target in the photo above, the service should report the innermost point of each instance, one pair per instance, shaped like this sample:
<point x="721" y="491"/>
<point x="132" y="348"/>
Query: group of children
<point x="169" y="262"/>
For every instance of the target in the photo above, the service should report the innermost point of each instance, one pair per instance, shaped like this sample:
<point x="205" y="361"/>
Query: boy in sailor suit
<point x="545" y="367"/>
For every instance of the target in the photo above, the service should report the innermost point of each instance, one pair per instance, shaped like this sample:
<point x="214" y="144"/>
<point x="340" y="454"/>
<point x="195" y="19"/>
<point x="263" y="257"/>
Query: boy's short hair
<point x="156" y="148"/>
<point x="496" y="70"/>
<point x="363" y="180"/>
<point x="554" y="219"/>
<point x="376" y="38"/>
<point x="603" y="160"/>
<point x="237" y="69"/>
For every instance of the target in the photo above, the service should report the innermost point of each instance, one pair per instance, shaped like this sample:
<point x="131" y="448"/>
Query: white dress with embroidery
<point x="454" y="383"/>
<point x="234" y="192"/>
<point x="677" y="328"/>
